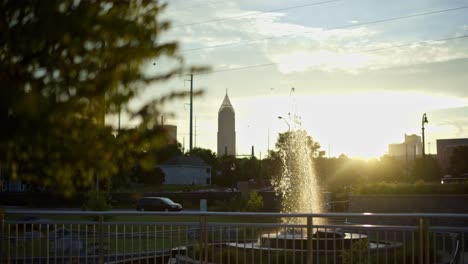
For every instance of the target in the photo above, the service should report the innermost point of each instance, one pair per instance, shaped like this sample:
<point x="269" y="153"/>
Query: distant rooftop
<point x="182" y="160"/>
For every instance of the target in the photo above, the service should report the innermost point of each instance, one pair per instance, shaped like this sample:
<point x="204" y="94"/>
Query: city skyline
<point x="353" y="94"/>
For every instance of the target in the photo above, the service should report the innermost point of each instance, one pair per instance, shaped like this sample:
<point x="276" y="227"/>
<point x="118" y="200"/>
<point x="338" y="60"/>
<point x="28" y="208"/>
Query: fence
<point x="31" y="236"/>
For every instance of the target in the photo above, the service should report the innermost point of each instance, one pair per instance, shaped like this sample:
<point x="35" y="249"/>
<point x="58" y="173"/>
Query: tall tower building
<point x="226" y="129"/>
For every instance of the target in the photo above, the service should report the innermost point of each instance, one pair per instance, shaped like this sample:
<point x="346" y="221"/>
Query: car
<point x="157" y="204"/>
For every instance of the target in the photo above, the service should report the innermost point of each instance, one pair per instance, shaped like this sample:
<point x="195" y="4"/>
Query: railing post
<point x="424" y="254"/>
<point x="427" y="242"/>
<point x="310" y="246"/>
<point x="203" y="258"/>
<point x="2" y="240"/>
<point x="101" y="239"/>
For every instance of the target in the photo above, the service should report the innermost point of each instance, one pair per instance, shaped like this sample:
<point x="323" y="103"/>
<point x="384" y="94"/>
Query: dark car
<point x="157" y="204"/>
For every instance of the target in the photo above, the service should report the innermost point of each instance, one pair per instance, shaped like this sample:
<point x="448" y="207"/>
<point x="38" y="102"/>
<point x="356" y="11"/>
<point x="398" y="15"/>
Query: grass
<point x="154" y="218"/>
<point x="117" y="238"/>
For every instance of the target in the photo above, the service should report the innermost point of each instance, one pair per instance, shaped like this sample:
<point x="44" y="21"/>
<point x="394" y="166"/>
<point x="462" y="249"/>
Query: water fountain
<point x="296" y="184"/>
<point x="300" y="192"/>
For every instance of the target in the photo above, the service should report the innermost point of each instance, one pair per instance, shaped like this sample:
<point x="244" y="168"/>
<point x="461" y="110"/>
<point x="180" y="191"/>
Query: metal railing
<point x="221" y="237"/>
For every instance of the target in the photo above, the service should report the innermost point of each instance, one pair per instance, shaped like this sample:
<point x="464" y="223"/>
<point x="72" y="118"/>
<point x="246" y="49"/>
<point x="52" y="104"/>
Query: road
<point x="38" y="210"/>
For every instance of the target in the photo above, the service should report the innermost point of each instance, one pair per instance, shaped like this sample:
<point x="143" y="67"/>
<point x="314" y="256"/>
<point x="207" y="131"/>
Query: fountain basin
<point x="322" y="240"/>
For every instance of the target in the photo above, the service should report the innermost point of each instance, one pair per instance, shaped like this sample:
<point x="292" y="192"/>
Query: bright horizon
<point x="359" y="84"/>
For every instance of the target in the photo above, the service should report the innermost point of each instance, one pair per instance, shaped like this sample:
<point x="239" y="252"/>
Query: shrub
<point x="98" y="201"/>
<point x="357" y="254"/>
<point x="255" y="202"/>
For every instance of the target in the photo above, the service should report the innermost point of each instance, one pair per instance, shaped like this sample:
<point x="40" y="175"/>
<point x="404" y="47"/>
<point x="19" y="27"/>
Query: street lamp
<point x="289" y="127"/>
<point x="424" y="120"/>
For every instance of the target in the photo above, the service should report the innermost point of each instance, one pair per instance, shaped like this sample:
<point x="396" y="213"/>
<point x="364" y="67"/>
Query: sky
<point x="356" y="74"/>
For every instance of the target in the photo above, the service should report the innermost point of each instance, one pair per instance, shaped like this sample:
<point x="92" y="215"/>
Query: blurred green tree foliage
<point x="64" y="66"/>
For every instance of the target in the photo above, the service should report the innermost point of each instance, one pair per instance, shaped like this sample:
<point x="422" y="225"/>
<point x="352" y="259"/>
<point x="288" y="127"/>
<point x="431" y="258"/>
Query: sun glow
<point x="359" y="125"/>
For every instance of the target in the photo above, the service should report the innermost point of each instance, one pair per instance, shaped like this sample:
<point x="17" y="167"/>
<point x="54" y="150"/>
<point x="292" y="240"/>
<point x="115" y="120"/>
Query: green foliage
<point x="208" y="156"/>
<point x="336" y="173"/>
<point x="237" y="204"/>
<point x="232" y="205"/>
<point x="269" y="167"/>
<point x="426" y="169"/>
<point x="284" y="141"/>
<point x="154" y="177"/>
<point x="357" y="254"/>
<point x="227" y="174"/>
<point x="254" y="203"/>
<point x="98" y="201"/>
<point x="64" y="66"/>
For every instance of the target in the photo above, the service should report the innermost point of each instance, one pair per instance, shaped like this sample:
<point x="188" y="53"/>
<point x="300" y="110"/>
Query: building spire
<point x="226" y="103"/>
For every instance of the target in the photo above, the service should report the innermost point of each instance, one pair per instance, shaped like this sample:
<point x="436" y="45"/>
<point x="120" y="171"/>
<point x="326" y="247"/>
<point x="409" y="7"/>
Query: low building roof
<point x="185" y="161"/>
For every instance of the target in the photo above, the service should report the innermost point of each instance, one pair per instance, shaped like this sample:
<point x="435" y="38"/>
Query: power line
<point x="361" y="51"/>
<point x="178" y="9"/>
<point x="328" y="29"/>
<point x="259" y="12"/>
<point x="410" y="44"/>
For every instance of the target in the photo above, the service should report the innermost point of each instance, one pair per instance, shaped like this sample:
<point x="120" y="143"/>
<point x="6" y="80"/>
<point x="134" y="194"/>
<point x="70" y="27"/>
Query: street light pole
<point x="191" y="113"/>
<point x="289" y="127"/>
<point x="424" y="120"/>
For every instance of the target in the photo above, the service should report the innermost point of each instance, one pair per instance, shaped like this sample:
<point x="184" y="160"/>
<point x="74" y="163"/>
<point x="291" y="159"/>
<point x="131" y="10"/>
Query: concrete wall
<point x="409" y="204"/>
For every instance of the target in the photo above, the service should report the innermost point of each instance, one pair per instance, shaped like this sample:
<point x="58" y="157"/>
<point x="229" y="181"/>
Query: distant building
<point x="444" y="151"/>
<point x="408" y="150"/>
<point x="226" y="129"/>
<point x="171" y="133"/>
<point x="186" y="170"/>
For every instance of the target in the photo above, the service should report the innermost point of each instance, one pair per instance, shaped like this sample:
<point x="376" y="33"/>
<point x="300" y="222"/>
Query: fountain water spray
<point x="296" y="183"/>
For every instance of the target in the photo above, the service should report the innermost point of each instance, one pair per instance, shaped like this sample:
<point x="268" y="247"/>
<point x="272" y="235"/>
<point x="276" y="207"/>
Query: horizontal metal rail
<point x="270" y="238"/>
<point x="241" y="214"/>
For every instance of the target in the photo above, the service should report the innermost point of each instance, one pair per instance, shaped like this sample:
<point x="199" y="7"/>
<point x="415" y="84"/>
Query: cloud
<point x="299" y="47"/>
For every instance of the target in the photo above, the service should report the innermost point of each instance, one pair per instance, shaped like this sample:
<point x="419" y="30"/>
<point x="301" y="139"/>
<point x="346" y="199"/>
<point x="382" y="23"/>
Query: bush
<point x="255" y="202"/>
<point x="357" y="254"/>
<point x="98" y="201"/>
<point x="237" y="204"/>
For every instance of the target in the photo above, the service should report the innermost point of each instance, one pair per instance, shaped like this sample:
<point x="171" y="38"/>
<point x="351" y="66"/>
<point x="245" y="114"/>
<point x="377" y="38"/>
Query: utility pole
<point x="268" y="152"/>
<point x="195" y="133"/>
<point x="191" y="113"/>
<point x="118" y="126"/>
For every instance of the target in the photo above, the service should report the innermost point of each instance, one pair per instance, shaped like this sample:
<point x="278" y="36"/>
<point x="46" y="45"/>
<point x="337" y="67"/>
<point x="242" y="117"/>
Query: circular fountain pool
<point x="321" y="240"/>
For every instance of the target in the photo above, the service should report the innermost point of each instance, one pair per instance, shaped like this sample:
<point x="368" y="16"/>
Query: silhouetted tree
<point x="64" y="65"/>
<point x="248" y="169"/>
<point x="154" y="177"/>
<point x="208" y="156"/>
<point x="284" y="139"/>
<point x="459" y="160"/>
<point x="426" y="169"/>
<point x="226" y="171"/>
